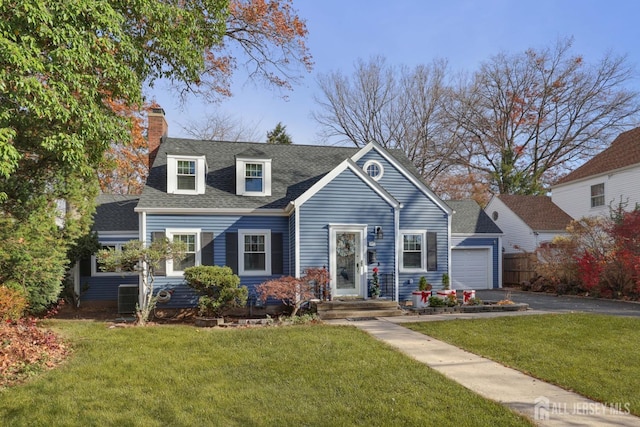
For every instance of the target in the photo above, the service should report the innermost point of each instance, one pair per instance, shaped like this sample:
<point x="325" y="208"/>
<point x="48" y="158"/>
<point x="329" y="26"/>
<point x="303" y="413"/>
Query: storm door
<point x="347" y="261"/>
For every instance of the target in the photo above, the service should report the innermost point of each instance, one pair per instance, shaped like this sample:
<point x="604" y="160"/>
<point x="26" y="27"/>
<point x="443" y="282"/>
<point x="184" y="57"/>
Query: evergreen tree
<point x="279" y="135"/>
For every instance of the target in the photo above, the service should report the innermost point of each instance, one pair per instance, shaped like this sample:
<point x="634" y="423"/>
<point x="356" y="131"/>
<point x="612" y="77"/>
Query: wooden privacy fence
<point x="518" y="268"/>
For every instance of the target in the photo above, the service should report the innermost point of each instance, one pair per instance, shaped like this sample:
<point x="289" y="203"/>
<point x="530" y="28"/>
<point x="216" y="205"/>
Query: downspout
<point x="500" y="255"/>
<point x="449" y="250"/>
<point x="396" y="227"/>
<point x="142" y="236"/>
<point x="296" y="214"/>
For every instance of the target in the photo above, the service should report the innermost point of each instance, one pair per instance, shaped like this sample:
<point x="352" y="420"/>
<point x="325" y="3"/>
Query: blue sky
<point x="411" y="32"/>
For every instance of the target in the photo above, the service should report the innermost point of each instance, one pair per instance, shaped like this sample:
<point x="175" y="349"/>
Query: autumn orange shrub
<point x="13" y="304"/>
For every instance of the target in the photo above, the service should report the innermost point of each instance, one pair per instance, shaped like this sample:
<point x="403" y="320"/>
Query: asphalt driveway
<point x="562" y="304"/>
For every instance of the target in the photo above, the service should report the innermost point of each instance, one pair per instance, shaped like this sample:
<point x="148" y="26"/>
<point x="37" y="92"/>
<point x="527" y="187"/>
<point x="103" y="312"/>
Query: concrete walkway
<point x="543" y="403"/>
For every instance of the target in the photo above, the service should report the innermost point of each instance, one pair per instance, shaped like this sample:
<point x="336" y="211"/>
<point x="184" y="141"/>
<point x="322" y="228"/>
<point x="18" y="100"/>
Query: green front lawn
<point x="182" y="376"/>
<point x="594" y="355"/>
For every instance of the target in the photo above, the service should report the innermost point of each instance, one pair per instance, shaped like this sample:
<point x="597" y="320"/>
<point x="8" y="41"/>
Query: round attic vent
<point x="494" y="215"/>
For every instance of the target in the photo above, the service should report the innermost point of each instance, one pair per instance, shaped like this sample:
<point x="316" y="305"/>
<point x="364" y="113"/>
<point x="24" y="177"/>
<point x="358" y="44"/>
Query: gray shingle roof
<point x="115" y="213"/>
<point x="295" y="168"/>
<point x="470" y="218"/>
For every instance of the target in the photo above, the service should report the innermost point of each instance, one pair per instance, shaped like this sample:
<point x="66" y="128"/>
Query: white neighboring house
<point x="526" y="221"/>
<point x="605" y="180"/>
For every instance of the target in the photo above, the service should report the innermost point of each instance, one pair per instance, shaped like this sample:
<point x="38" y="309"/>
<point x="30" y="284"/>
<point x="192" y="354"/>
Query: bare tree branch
<point x="222" y="127"/>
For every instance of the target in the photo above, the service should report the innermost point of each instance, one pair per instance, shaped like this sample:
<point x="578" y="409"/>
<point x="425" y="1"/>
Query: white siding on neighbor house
<point x="518" y="236"/>
<point x="575" y="197"/>
<point x="546" y="237"/>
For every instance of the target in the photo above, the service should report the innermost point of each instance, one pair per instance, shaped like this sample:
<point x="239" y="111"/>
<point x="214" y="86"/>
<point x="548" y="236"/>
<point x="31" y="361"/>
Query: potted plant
<point x="445" y="291"/>
<point x="375" y="284"/>
<point x="420" y="298"/>
<point x="219" y="290"/>
<point x="468" y="296"/>
<point x="445" y="281"/>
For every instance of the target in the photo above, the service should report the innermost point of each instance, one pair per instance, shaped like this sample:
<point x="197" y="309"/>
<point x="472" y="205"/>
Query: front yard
<point x="299" y="375"/>
<point x="593" y="355"/>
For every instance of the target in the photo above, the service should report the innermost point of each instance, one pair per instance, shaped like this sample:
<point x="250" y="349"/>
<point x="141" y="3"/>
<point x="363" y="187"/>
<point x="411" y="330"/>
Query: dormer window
<point x="253" y="176"/>
<point x="185" y="174"/>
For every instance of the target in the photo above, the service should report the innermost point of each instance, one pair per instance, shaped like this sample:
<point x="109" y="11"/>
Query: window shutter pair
<point x="276" y="252"/>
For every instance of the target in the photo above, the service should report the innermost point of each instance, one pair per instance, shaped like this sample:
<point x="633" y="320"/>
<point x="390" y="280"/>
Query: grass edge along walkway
<point x="592" y="355"/>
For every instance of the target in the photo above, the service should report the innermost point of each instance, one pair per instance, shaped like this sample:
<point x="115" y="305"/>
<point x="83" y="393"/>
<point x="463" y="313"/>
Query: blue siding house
<point x="269" y="210"/>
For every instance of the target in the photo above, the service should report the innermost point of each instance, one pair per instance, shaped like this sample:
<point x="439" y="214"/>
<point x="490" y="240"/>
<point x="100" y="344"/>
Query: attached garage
<point x="476" y="247"/>
<point x="471" y="268"/>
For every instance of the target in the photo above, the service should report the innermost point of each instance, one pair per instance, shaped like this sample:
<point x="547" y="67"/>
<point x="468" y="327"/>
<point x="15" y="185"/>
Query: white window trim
<point x="423" y="252"/>
<point x="96" y="272"/>
<point x="170" y="232"/>
<point x="240" y="177"/>
<point x="376" y="163"/>
<point x="267" y="247"/>
<point x="592" y="197"/>
<point x="172" y="173"/>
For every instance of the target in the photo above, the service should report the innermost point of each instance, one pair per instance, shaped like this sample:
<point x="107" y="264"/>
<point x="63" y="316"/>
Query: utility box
<point x="127" y="299"/>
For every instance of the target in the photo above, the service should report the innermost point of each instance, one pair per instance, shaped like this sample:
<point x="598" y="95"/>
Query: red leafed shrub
<point x="292" y="291"/>
<point x="626" y="231"/>
<point x="13" y="303"/>
<point x="622" y="276"/>
<point x="26" y="349"/>
<point x="589" y="271"/>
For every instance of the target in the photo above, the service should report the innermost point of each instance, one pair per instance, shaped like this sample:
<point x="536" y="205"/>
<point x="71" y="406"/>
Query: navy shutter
<point x="206" y="254"/>
<point x="276" y="253"/>
<point x="432" y="251"/>
<point x="161" y="270"/>
<point x="232" y="251"/>
<point x="85" y="266"/>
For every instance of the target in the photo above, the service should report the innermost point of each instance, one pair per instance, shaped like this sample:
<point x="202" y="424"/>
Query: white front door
<point x="348" y="270"/>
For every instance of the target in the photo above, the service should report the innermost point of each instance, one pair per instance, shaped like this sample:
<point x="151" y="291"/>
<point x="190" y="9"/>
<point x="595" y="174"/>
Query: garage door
<point x="470" y="268"/>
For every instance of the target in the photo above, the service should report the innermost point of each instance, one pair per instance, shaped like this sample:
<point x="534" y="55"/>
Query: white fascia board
<point x="213" y="211"/>
<point x="388" y="197"/>
<point x="346" y="164"/>
<point x="419" y="184"/>
<point x="478" y="235"/>
<point x="463" y="247"/>
<point x="127" y="234"/>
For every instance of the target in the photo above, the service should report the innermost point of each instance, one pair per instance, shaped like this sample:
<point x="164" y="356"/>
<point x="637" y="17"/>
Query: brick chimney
<point x="156" y="130"/>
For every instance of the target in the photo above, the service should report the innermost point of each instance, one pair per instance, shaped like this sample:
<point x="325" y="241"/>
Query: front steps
<point x="353" y="309"/>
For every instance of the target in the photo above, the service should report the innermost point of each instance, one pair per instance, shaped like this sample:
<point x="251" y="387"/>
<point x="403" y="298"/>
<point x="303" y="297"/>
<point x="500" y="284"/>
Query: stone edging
<point x="482" y="308"/>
